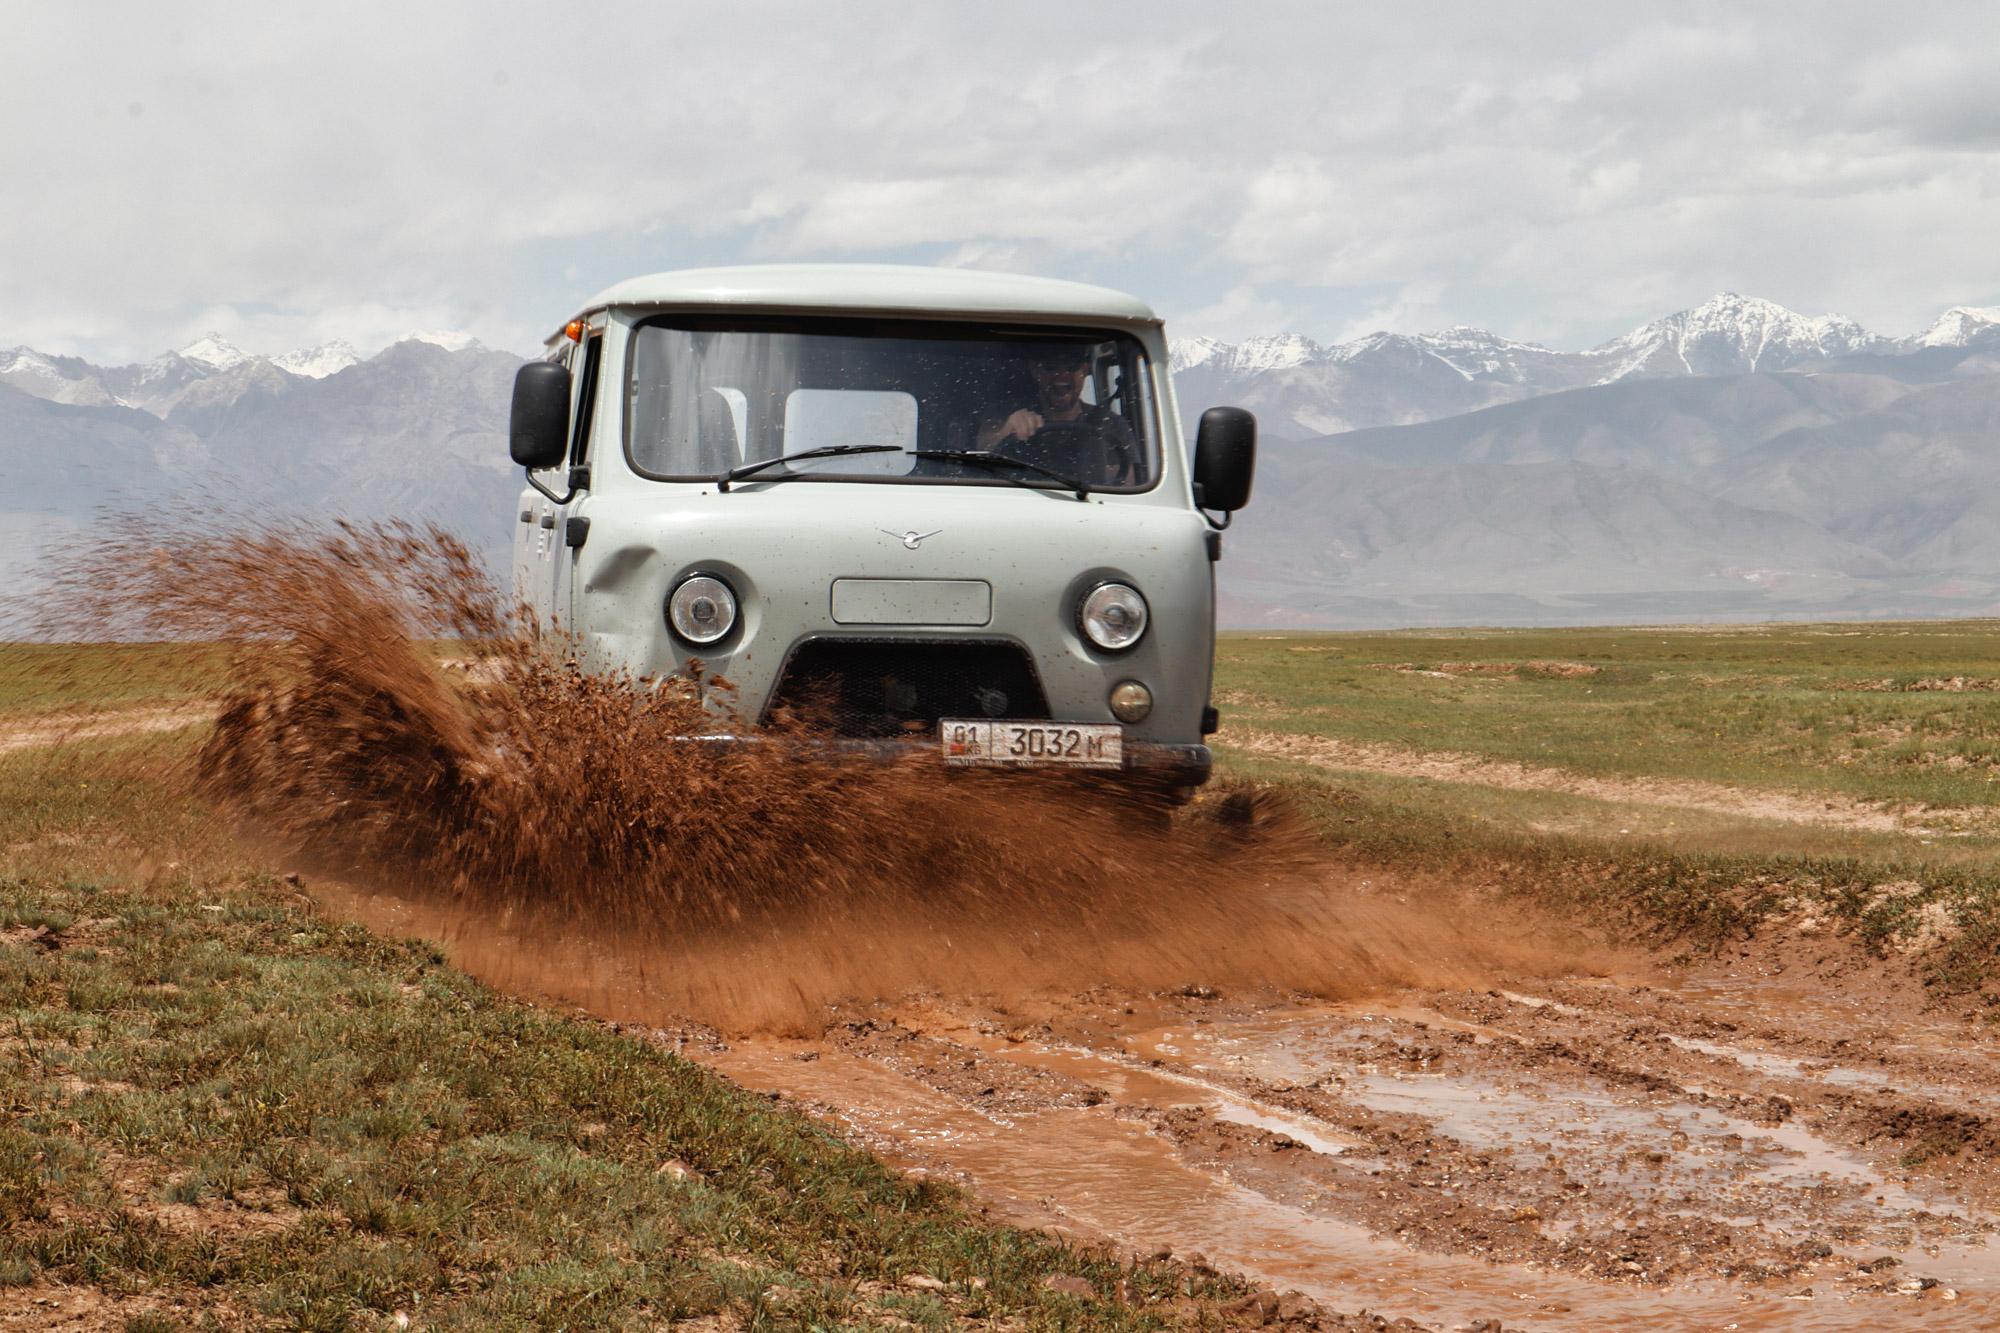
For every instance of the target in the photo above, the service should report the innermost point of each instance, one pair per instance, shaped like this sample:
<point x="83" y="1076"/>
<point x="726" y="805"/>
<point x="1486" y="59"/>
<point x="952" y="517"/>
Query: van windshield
<point x="705" y="397"/>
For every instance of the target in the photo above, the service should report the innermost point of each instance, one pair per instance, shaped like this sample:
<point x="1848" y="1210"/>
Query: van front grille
<point x="886" y="687"/>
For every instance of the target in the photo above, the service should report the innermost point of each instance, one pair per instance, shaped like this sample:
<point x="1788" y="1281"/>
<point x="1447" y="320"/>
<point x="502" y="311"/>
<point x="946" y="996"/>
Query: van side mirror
<point x="538" y="430"/>
<point x="1225" y="458"/>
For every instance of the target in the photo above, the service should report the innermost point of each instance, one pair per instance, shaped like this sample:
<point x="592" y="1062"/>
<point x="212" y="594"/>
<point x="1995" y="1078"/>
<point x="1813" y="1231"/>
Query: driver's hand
<point x="1022" y="425"/>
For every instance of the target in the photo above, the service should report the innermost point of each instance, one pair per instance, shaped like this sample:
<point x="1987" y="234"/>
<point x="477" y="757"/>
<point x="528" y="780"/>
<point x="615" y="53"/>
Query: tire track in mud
<point x="1587" y="1152"/>
<point x="1830" y="809"/>
<point x="1576" y="1154"/>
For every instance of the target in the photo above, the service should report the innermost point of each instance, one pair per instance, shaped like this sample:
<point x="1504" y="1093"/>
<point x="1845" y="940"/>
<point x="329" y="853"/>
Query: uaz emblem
<point x="910" y="539"/>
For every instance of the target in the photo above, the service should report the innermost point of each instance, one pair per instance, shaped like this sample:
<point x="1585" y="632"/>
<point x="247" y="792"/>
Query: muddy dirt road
<point x="1714" y="1151"/>
<point x="1782" y="1139"/>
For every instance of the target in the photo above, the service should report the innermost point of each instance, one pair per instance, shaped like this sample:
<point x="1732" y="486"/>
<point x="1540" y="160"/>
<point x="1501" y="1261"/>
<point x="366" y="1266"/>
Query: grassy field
<point x="1887" y="717"/>
<point x="226" y="1110"/>
<point x="1902" y="712"/>
<point x="52" y="679"/>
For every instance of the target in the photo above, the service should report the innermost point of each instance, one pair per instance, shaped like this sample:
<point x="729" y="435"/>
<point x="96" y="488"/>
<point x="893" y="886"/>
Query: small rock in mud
<point x="1064" y="1284"/>
<point x="1259" y="1307"/>
<point x="675" y="1168"/>
<point x="1123" y="1292"/>
<point x="922" y="1282"/>
<point x="1297" y="1305"/>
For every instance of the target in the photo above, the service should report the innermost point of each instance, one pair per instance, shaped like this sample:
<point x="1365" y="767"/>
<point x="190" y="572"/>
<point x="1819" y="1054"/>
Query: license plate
<point x="1033" y="744"/>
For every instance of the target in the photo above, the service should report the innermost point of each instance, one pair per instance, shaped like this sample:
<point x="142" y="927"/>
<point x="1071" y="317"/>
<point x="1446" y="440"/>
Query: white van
<point x="919" y="506"/>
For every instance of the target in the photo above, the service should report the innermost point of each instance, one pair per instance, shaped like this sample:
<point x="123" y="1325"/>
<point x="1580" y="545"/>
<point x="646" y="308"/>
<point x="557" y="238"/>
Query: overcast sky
<point x="1559" y="172"/>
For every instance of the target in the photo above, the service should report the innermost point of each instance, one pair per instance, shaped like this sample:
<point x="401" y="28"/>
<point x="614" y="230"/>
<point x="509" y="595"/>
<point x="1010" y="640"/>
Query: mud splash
<point x="746" y="885"/>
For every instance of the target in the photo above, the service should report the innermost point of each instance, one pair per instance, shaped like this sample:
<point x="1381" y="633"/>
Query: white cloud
<point x="1557" y="171"/>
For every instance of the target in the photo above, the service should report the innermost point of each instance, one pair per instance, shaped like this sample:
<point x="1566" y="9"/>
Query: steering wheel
<point x="1084" y="449"/>
<point x="1061" y="441"/>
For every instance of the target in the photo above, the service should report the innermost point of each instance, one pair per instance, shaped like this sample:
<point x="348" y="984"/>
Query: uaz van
<point x="925" y="507"/>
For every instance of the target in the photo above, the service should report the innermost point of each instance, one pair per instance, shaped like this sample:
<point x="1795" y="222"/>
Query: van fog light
<point x="1131" y="701"/>
<point x="702" y="610"/>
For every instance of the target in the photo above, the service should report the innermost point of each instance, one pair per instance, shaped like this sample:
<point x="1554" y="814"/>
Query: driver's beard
<point x="1059" y="406"/>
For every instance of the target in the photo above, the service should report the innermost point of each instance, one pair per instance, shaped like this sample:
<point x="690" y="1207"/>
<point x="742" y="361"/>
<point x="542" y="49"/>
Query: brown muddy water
<point x="1590" y="1152"/>
<point x="1431" y="1155"/>
<point x="1193" y="1034"/>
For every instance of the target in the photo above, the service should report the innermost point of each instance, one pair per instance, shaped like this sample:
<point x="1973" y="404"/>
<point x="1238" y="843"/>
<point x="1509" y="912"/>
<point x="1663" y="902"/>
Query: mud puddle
<point x="1094" y="1175"/>
<point x="1558" y="1155"/>
<point x="1583" y="1156"/>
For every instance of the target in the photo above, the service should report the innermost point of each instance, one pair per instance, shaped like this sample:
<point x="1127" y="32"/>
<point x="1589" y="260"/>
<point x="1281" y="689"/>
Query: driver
<point x="1090" y="441"/>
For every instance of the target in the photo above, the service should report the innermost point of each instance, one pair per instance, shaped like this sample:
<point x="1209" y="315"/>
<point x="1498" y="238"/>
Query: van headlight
<point x="1112" y="616"/>
<point x="702" y="610"/>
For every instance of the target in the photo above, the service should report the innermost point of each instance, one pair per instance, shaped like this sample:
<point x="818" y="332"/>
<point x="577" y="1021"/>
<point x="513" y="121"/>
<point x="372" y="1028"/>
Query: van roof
<point x="886" y="288"/>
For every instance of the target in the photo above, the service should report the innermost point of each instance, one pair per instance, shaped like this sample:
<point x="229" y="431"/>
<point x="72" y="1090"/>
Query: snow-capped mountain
<point x="1274" y="352"/>
<point x="1299" y="387"/>
<point x="214" y="351"/>
<point x="316" y="363"/>
<point x="1959" y="327"/>
<point x="1732" y="335"/>
<point x="59" y="379"/>
<point x="164" y="383"/>
<point x="452" y="340"/>
<point x="414" y="432"/>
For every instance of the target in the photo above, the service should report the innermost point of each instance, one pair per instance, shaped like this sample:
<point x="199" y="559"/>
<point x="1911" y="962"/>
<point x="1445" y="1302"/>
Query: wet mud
<point x="1575" y="1154"/>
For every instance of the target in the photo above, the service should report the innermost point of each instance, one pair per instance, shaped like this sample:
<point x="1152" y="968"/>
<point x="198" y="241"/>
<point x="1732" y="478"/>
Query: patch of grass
<point x="1902" y="712"/>
<point x="63" y="677"/>
<point x="1947" y="915"/>
<point x="259" y="1110"/>
<point x="394" y="1135"/>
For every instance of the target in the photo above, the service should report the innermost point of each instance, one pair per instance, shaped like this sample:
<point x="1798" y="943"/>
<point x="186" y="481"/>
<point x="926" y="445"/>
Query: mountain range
<point x="1734" y="461"/>
<point x="1299" y="388"/>
<point x="417" y="431"/>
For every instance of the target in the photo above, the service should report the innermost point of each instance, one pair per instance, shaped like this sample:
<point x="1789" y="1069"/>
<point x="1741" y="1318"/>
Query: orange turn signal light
<point x="574" y="330"/>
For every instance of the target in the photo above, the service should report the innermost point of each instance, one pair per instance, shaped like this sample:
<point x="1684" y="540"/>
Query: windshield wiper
<point x="826" y="451"/>
<point x="995" y="462"/>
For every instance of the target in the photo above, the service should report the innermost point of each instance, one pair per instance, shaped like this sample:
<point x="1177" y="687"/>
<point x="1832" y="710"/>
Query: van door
<point x="543" y="561"/>
<point x="527" y="509"/>
<point x="559" y="567"/>
<point x="538" y="533"/>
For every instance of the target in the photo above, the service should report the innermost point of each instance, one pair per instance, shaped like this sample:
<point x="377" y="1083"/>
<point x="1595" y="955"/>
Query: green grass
<point x="1685" y="902"/>
<point x="223" y="1109"/>
<point x="1852" y="710"/>
<point x="57" y="678"/>
<point x="1837" y="708"/>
